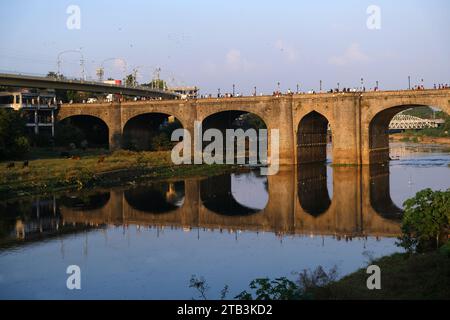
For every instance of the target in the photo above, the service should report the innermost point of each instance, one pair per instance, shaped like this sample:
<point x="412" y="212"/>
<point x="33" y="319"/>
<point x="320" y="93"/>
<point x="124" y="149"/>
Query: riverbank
<point x="92" y="169"/>
<point x="419" y="276"/>
<point x="416" y="138"/>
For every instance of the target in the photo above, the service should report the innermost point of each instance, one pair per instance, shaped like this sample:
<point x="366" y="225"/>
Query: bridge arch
<point x="95" y="130"/>
<point x="378" y="130"/>
<point x="236" y="119"/>
<point x="312" y="138"/>
<point x="150" y="131"/>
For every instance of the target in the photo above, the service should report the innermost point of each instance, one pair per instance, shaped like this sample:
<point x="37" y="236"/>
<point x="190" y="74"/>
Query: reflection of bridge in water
<point x="298" y="203"/>
<point x="361" y="204"/>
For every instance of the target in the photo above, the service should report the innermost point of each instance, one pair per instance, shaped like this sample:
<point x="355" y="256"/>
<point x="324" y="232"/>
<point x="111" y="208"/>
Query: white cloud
<point x="353" y="54"/>
<point x="235" y="62"/>
<point x="287" y="50"/>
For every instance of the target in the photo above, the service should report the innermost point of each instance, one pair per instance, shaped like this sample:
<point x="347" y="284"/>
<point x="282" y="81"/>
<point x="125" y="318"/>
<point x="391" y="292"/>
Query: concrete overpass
<point x="359" y="121"/>
<point x="25" y="81"/>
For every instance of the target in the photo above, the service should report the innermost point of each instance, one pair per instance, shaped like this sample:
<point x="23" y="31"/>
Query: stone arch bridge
<point x="359" y="121"/>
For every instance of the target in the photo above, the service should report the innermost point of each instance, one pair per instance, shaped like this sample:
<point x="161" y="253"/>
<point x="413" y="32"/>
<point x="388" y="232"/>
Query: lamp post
<point x="59" y="61"/>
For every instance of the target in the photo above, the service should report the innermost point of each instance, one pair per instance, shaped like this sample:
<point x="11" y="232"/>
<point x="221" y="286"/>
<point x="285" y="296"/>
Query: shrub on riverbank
<point x="426" y="221"/>
<point x="13" y="139"/>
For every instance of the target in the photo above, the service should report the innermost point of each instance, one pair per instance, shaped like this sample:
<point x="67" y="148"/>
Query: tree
<point x="52" y="75"/>
<point x="426" y="221"/>
<point x="130" y="80"/>
<point x="13" y="140"/>
<point x="156" y="84"/>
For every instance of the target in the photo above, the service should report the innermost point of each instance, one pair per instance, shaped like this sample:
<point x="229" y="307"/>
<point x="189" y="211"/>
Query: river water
<point x="146" y="241"/>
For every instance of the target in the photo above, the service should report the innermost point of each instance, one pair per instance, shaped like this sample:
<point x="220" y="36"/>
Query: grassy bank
<point x="90" y="169"/>
<point x="419" y="276"/>
<point x="416" y="137"/>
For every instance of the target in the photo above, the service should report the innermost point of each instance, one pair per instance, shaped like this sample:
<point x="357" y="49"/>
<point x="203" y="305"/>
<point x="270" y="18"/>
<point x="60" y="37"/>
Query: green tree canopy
<point x="13" y="140"/>
<point x="426" y="220"/>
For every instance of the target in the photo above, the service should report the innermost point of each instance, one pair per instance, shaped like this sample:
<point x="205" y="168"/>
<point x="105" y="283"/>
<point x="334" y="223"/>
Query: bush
<point x="13" y="140"/>
<point x="426" y="221"/>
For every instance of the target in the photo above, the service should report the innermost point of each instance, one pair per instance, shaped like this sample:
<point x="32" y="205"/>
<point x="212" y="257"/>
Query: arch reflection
<point x="235" y="194"/>
<point x="157" y="198"/>
<point x="85" y="202"/>
<point x="380" y="193"/>
<point x="312" y="188"/>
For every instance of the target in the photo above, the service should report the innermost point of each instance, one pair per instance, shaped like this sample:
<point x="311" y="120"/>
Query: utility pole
<point x="83" y="75"/>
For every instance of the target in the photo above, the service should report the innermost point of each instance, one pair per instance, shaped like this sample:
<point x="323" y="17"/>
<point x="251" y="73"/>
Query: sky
<point x="215" y="44"/>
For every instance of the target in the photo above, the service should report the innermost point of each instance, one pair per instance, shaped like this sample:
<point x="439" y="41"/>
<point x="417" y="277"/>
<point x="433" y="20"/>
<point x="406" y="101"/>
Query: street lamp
<point x="59" y="61"/>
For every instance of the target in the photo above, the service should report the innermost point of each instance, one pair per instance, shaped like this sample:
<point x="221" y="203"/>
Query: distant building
<point x="186" y="92"/>
<point x="38" y="107"/>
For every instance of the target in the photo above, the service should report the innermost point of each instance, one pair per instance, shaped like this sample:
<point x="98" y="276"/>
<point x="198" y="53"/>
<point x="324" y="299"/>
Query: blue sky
<point x="213" y="44"/>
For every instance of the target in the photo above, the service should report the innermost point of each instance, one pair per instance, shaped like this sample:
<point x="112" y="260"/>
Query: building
<point x="186" y="92"/>
<point x="38" y="107"/>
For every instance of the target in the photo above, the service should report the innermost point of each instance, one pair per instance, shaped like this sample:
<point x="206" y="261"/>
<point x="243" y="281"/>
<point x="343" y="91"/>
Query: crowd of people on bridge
<point x="441" y="86"/>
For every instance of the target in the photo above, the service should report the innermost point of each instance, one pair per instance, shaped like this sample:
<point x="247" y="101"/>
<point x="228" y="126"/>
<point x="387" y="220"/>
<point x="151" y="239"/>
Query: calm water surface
<point x="146" y="241"/>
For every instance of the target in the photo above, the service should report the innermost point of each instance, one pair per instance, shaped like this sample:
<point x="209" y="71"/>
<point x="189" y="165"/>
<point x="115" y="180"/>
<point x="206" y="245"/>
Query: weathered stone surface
<point x="358" y="120"/>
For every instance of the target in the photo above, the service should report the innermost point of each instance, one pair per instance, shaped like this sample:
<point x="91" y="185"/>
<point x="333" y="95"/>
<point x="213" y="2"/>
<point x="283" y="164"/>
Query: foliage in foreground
<point x="276" y="289"/>
<point x="426" y="221"/>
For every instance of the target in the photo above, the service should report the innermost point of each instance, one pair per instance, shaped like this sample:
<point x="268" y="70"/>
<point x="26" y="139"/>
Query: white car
<point x="92" y="100"/>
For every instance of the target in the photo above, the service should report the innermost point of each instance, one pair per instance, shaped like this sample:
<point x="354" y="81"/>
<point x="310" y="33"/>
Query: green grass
<point x="419" y="276"/>
<point x="53" y="174"/>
